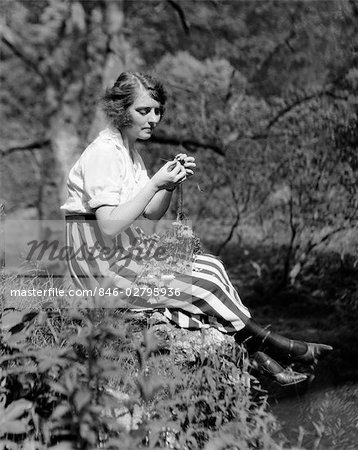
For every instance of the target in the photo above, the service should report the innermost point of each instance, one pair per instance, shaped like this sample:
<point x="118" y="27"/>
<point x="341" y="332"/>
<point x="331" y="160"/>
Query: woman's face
<point x="145" y="116"/>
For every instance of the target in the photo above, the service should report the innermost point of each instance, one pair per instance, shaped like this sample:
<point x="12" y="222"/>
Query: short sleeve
<point x="103" y="171"/>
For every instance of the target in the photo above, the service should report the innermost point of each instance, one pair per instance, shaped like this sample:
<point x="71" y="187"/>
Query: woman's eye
<point x="145" y="111"/>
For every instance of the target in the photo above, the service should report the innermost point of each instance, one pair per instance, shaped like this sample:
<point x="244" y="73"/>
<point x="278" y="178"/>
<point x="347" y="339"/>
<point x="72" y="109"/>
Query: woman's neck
<point x="129" y="144"/>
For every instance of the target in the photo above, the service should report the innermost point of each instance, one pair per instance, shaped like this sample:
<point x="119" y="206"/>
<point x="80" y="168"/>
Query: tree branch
<point x="179" y="10"/>
<point x="158" y="139"/>
<point x="8" y="38"/>
<point x="293" y="229"/>
<point x="269" y="57"/>
<point x="229" y="88"/>
<point x="230" y="235"/>
<point x="298" y="102"/>
<point x="191" y="144"/>
<point x="187" y="143"/>
<point x="354" y="6"/>
<point x="23" y="146"/>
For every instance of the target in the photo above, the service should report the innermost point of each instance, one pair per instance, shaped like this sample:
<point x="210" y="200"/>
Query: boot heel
<point x="284" y="377"/>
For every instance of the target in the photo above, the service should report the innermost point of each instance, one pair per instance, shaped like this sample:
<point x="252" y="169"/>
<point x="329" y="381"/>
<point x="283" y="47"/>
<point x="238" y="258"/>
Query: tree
<point x="266" y="107"/>
<point x="79" y="47"/>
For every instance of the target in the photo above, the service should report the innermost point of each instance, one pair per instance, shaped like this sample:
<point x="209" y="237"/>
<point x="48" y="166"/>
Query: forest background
<point x="262" y="93"/>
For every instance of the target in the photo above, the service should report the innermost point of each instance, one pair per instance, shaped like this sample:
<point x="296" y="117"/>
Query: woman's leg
<point x="258" y="338"/>
<point x="285" y="377"/>
<point x="207" y="298"/>
<point x="215" y="295"/>
<point x="208" y="295"/>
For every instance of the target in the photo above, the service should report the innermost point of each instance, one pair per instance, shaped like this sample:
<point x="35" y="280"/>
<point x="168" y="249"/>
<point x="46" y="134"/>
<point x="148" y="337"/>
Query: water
<point x="330" y="412"/>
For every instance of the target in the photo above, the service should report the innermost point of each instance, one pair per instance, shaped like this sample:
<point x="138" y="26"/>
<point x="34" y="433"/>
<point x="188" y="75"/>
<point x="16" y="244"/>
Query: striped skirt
<point x="204" y="296"/>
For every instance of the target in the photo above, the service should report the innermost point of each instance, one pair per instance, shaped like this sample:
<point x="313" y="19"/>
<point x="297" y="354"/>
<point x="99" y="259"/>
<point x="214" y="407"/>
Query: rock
<point x="122" y="414"/>
<point x="185" y="345"/>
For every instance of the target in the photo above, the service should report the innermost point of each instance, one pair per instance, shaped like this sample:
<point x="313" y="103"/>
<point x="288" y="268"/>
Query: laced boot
<point x="258" y="338"/>
<point x="313" y="353"/>
<point x="282" y="376"/>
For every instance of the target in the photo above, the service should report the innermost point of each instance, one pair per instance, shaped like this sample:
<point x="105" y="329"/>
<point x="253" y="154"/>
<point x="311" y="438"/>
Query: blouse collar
<point x="117" y="136"/>
<point x="114" y="133"/>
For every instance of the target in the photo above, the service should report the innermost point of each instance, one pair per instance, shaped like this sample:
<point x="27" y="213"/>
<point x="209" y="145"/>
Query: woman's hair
<point x="120" y="97"/>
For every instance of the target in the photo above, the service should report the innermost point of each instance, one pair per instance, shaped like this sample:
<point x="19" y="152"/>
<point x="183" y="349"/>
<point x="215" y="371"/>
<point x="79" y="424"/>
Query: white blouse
<point x="105" y="174"/>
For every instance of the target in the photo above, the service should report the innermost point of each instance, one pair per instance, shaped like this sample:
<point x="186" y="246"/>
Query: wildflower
<point x="168" y="277"/>
<point x="170" y="240"/>
<point x="186" y="232"/>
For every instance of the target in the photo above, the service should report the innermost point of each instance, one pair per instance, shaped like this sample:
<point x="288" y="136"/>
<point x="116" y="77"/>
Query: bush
<point x="98" y="378"/>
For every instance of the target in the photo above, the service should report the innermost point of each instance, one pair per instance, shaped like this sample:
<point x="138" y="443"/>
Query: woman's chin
<point x="145" y="137"/>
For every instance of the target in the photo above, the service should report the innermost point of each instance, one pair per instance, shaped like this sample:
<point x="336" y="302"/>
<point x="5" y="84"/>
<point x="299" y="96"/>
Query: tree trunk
<point x="78" y="119"/>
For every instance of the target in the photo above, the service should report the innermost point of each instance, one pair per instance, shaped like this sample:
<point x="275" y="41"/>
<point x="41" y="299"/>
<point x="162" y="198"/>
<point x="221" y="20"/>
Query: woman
<point x="109" y="189"/>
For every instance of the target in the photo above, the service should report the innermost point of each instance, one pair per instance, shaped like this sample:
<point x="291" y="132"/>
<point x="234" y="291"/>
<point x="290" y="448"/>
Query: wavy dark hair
<point x="120" y="97"/>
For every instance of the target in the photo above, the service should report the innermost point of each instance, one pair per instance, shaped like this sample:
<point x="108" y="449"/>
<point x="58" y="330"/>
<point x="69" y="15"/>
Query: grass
<point x="162" y="387"/>
<point x="104" y="377"/>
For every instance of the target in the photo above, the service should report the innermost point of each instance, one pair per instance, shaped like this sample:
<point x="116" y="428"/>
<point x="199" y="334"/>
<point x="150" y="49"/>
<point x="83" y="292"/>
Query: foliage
<point x="97" y="379"/>
<point x="268" y="107"/>
<point x="265" y="95"/>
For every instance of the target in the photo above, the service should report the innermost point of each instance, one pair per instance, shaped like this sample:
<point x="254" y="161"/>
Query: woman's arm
<point x="113" y="220"/>
<point x="158" y="205"/>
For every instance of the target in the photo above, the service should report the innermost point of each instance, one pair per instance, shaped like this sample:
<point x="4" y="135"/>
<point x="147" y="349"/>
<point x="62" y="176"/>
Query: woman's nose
<point x="154" y="117"/>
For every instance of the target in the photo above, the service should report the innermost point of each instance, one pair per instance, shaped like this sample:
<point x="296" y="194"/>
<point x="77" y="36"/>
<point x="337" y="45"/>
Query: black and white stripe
<point x="207" y="297"/>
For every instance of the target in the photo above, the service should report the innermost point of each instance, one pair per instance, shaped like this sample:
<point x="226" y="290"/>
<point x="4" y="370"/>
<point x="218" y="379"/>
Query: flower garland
<point x="179" y="246"/>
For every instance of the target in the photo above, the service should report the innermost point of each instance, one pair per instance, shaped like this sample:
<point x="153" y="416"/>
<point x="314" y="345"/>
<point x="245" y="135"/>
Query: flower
<point x="180" y="246"/>
<point x="186" y="232"/>
<point x="168" y="277"/>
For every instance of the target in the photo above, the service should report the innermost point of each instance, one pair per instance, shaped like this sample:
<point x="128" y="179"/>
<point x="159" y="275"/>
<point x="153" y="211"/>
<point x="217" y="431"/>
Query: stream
<point x="331" y="412"/>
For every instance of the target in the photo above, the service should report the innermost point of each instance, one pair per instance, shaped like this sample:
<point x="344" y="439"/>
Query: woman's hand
<point x="187" y="162"/>
<point x="170" y="175"/>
